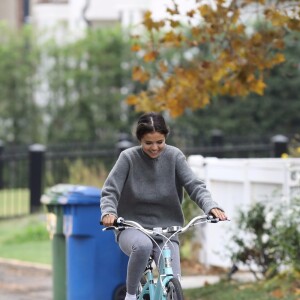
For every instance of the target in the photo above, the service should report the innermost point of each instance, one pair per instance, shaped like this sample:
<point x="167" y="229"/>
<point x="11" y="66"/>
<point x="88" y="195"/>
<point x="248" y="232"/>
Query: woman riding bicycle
<point x="146" y="185"/>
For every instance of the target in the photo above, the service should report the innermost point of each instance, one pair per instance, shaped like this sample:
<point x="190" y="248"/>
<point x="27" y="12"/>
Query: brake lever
<point x="212" y="219"/>
<point x="118" y="225"/>
<point x="109" y="228"/>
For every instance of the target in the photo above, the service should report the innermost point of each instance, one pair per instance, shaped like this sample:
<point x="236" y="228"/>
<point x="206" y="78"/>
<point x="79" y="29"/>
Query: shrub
<point x="268" y="238"/>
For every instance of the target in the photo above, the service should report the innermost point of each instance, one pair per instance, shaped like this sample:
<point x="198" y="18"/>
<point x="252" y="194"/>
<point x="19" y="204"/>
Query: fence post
<point x="36" y="174"/>
<point x="1" y="164"/>
<point x="217" y="141"/>
<point x="280" y="145"/>
<point x="124" y="142"/>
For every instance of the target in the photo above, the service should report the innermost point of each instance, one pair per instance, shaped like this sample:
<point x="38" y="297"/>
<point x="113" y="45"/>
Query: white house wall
<point x="49" y="15"/>
<point x="125" y="12"/>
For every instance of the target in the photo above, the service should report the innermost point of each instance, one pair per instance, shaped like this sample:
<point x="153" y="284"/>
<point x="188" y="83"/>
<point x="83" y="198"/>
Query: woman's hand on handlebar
<point x="218" y="213"/>
<point x="108" y="220"/>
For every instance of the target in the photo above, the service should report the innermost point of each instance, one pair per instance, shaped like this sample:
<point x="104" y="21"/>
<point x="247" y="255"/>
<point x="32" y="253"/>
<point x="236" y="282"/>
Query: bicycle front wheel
<point x="174" y="290"/>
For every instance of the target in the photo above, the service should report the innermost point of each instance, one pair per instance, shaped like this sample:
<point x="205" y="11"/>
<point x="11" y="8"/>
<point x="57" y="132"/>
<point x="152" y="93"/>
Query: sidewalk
<point x="190" y="282"/>
<point x="29" y="281"/>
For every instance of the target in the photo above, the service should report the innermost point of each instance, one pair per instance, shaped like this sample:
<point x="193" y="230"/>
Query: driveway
<point x="24" y="281"/>
<point x="27" y="281"/>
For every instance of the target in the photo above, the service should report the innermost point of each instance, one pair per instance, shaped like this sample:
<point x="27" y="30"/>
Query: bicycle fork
<point x="158" y="291"/>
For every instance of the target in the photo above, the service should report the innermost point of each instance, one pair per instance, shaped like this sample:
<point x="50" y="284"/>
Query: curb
<point x="190" y="282"/>
<point x="25" y="264"/>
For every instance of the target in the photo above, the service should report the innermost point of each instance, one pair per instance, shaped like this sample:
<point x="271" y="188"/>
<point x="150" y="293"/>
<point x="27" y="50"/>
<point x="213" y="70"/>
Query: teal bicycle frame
<point x="157" y="291"/>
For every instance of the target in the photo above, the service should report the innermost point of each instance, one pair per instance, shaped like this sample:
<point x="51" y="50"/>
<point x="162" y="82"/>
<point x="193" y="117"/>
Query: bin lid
<point x="84" y="195"/>
<point x="57" y="194"/>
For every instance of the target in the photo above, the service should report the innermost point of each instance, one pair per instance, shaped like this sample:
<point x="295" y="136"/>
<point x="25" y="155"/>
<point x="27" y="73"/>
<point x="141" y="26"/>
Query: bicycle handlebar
<point x="121" y="224"/>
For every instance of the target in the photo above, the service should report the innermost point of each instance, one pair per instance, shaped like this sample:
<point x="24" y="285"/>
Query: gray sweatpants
<point x="139" y="247"/>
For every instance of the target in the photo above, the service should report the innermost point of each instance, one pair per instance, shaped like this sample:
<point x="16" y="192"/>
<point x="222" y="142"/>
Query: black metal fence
<point x="59" y="160"/>
<point x="26" y="171"/>
<point x="14" y="192"/>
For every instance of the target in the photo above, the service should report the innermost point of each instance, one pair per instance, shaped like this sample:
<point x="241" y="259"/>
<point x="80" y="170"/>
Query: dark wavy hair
<point x="151" y="122"/>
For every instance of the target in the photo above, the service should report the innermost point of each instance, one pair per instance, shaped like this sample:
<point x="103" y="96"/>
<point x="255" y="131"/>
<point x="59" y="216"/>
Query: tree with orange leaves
<point x="220" y="52"/>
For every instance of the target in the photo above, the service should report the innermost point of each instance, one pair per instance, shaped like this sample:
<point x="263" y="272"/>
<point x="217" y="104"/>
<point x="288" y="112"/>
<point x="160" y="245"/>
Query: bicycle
<point x="166" y="287"/>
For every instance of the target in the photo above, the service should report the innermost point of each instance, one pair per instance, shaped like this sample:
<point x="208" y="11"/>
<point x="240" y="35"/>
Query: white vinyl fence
<point x="238" y="183"/>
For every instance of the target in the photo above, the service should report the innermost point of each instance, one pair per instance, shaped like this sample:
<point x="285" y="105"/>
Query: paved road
<point x="26" y="281"/>
<point x="21" y="281"/>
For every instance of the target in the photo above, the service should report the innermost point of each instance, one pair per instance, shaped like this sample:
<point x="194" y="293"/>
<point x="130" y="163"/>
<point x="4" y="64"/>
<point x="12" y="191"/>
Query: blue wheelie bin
<point x="96" y="267"/>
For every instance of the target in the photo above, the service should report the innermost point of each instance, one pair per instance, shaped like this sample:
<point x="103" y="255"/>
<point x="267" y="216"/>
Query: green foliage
<point x="254" y="244"/>
<point x="275" y="112"/>
<point x="82" y="174"/>
<point x="25" y="238"/>
<point x="32" y="232"/>
<point x="56" y="92"/>
<point x="285" y="287"/>
<point x="52" y="91"/>
<point x="268" y="237"/>
<point x="190" y="208"/>
<point x="92" y="172"/>
<point x="288" y="234"/>
<point x="86" y="81"/>
<point x="20" y="116"/>
<point x="188" y="246"/>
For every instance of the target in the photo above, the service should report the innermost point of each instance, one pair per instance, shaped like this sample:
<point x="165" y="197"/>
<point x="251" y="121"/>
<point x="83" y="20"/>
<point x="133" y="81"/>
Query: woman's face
<point x="153" y="144"/>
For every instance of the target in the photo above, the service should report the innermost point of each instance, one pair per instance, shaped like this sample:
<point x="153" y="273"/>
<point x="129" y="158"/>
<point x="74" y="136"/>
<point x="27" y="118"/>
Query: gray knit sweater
<point x="150" y="191"/>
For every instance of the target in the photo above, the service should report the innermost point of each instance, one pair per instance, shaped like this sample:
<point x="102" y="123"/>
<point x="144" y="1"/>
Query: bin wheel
<point x="120" y="292"/>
